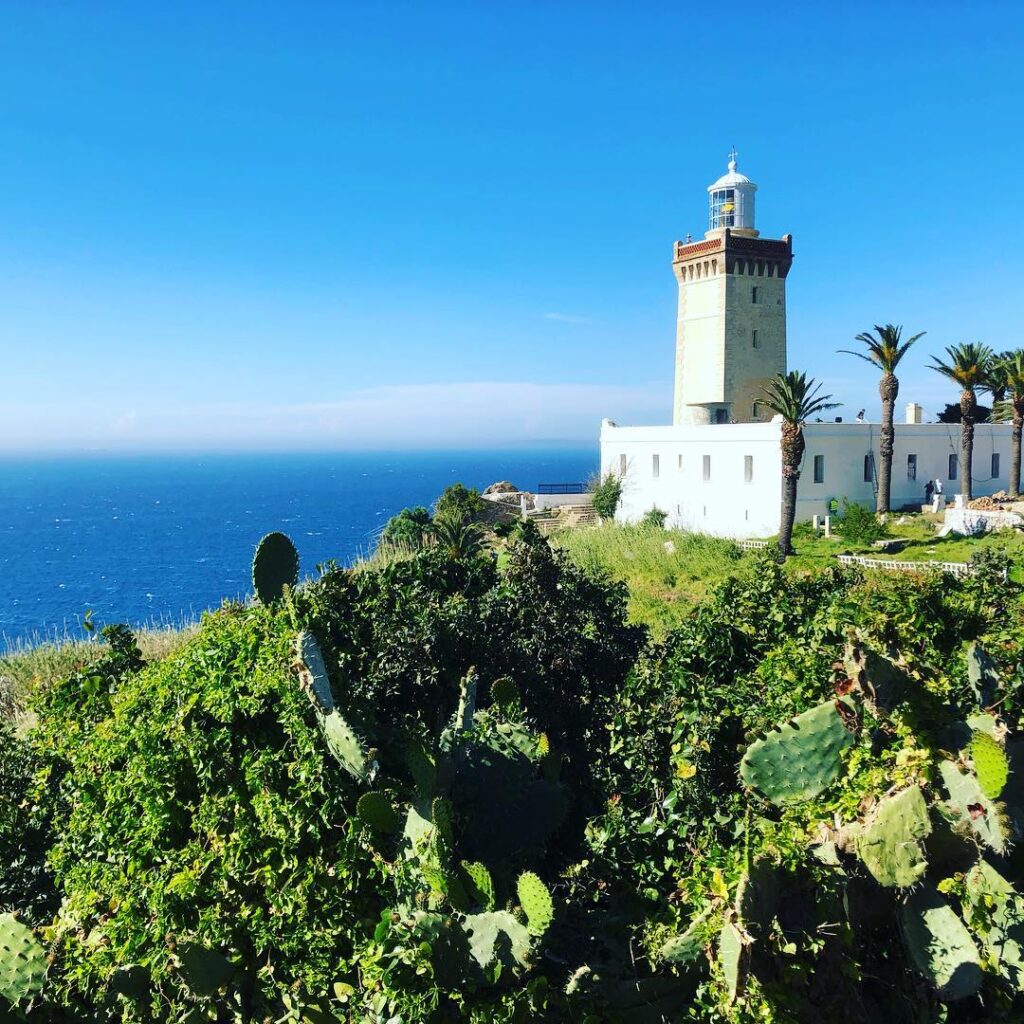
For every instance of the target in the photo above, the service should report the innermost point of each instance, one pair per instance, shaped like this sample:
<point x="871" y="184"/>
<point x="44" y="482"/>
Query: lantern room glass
<point x="723" y="208"/>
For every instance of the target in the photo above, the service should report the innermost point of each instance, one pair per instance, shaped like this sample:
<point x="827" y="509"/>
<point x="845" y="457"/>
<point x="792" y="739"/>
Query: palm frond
<point x="885" y="347"/>
<point x="795" y="398"/>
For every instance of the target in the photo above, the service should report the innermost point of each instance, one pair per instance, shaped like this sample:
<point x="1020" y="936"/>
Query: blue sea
<point x="158" y="539"/>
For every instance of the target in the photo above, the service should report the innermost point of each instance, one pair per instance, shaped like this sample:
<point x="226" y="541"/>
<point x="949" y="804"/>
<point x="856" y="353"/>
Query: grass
<point x="27" y="665"/>
<point x="666" y="571"/>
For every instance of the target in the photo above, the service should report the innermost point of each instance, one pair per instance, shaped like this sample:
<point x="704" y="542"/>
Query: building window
<point x="869" y="467"/>
<point x="754" y="297"/>
<point x="721" y="416"/>
<point x="755" y="410"/>
<point x="951" y="471"/>
<point x="748" y="468"/>
<point x="995" y="465"/>
<point x="723" y="208"/>
<point x="819" y="469"/>
<point x="753" y="339"/>
<point x="655" y="466"/>
<point x="707" y="467"/>
<point x="622" y="464"/>
<point x="911" y="467"/>
<point x="679" y="462"/>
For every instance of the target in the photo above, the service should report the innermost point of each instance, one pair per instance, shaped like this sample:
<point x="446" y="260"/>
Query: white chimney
<point x="915" y="414"/>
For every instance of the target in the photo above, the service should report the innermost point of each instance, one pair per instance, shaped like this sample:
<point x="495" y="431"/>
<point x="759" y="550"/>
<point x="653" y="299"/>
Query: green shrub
<point x="607" y="493"/>
<point x="654" y="517"/>
<point x="459" y="502"/>
<point x="860" y="525"/>
<point x="408" y="529"/>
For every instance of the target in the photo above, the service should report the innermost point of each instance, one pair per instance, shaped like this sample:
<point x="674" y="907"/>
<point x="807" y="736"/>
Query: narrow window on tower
<point x="911" y="467"/>
<point x="655" y="466"/>
<point x="995" y="465"/>
<point x="753" y="337"/>
<point x="819" y="469"/>
<point x="707" y="467"/>
<point x="748" y="468"/>
<point x="951" y="472"/>
<point x="753" y="294"/>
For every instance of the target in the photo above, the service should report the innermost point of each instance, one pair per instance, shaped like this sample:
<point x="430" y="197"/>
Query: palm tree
<point x="968" y="367"/>
<point x="795" y="398"/>
<point x="457" y="535"/>
<point x="885" y="349"/>
<point x="995" y="383"/>
<point x="1008" y="376"/>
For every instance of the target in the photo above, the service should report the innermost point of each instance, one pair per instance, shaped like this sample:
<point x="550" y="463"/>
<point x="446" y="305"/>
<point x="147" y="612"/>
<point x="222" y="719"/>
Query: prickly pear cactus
<point x="481" y="885"/>
<point x="495" y="935"/>
<point x="345" y="745"/>
<point x="730" y="955"/>
<point x="274" y="567"/>
<point x="536" y="902"/>
<point x="204" y="970"/>
<point x="757" y="897"/>
<point x="504" y="693"/>
<point x="990" y="764"/>
<point x="879" y="678"/>
<point x="687" y="947"/>
<point x="375" y="810"/>
<point x="467" y="702"/>
<point x="802" y="758"/>
<point x="422" y="767"/>
<point x="1003" y="907"/>
<point x="981" y="671"/>
<point x="940" y="945"/>
<point x="309" y="661"/>
<point x="22" y="961"/>
<point x="972" y="808"/>
<point x="890" y="843"/>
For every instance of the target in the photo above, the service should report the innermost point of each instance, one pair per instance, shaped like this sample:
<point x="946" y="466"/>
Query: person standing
<point x="929" y="490"/>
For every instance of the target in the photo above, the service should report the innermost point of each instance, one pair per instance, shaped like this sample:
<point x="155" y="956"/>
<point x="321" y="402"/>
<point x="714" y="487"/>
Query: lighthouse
<point x="731" y="323"/>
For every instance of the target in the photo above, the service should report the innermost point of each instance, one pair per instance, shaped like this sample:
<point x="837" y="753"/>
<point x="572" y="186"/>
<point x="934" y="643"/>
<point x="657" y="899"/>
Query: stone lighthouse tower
<point x="731" y="328"/>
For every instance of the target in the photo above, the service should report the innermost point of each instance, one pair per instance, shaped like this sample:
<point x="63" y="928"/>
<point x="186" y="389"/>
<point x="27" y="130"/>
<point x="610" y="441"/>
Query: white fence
<point x="895" y="565"/>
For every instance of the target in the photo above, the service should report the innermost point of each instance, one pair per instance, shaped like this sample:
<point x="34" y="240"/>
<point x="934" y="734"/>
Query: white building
<point x="717" y="468"/>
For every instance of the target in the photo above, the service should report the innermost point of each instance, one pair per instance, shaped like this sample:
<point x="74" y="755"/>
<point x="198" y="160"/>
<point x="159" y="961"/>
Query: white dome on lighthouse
<point x="731" y="201"/>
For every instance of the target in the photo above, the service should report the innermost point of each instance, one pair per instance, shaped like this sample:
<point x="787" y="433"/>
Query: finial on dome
<point x="732" y="159"/>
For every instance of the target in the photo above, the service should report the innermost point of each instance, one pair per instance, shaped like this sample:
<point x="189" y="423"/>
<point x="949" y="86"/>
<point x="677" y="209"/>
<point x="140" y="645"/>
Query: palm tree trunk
<point x="1018" y="426"/>
<point x="888" y="389"/>
<point x="968" y="409"/>
<point x="792" y="454"/>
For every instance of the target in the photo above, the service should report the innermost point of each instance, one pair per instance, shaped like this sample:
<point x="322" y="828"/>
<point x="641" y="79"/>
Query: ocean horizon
<point x="159" y="538"/>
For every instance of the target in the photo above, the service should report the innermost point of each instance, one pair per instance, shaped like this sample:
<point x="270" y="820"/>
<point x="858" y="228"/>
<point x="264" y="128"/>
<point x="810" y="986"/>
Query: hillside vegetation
<point x="462" y="787"/>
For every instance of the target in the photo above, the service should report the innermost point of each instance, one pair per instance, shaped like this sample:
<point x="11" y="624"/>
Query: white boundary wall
<point x="728" y="505"/>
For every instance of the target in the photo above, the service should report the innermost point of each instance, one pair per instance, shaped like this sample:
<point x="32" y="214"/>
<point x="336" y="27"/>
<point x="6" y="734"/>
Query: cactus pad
<point x="879" y="678"/>
<point x="22" y="961"/>
<point x="504" y="693"/>
<point x="536" y="901"/>
<point x="481" y="886"/>
<point x="467" y="702"/>
<point x="890" y="844"/>
<point x="940" y="945"/>
<point x="730" y="954"/>
<point x="981" y="671"/>
<point x="685" y="948"/>
<point x="757" y="897"/>
<point x="274" y="567"/>
<point x="375" y="810"/>
<point x="345" y="745"/>
<point x="204" y="970"/>
<point x="422" y="767"/>
<point x="802" y="758"/>
<point x="309" y="660"/>
<point x="974" y="810"/>
<point x="1004" y="940"/>
<point x="990" y="764"/>
<point x="497" y="936"/>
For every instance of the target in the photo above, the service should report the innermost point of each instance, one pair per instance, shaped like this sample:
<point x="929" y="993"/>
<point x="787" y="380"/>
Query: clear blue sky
<point x="355" y="225"/>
